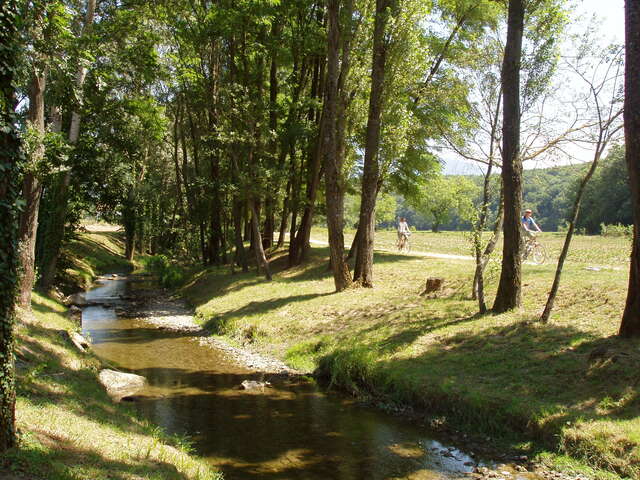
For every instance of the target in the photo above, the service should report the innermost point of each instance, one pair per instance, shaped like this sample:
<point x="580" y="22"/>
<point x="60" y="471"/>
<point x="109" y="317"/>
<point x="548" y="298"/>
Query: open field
<point x="591" y="250"/>
<point x="571" y="386"/>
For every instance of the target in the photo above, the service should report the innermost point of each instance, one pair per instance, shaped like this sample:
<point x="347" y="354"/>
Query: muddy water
<point x="292" y="430"/>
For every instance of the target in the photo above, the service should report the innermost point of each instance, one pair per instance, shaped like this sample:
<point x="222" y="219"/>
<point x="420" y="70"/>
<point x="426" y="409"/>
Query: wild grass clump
<point x="170" y="275"/>
<point x="305" y="356"/>
<point x="616" y="230"/>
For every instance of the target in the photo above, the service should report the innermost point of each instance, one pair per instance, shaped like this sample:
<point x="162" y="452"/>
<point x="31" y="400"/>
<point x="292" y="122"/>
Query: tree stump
<point x="433" y="285"/>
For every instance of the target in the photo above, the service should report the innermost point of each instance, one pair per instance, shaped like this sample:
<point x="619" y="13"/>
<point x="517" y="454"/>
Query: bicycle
<point x="536" y="250"/>
<point x="403" y="244"/>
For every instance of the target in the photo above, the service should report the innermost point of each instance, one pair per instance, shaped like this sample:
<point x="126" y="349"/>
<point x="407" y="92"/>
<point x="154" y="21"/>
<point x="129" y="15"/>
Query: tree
<point x="630" y="325"/>
<point x="363" y="271"/>
<point x="444" y="197"/>
<point x="509" y="288"/>
<point x="55" y="234"/>
<point x="607" y="124"/>
<point x="545" y="20"/>
<point x="333" y="135"/>
<point x="32" y="184"/>
<point x="9" y="193"/>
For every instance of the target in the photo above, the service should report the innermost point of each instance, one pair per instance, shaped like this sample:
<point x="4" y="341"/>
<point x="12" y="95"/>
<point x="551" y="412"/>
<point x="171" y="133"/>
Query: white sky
<point x="611" y="14"/>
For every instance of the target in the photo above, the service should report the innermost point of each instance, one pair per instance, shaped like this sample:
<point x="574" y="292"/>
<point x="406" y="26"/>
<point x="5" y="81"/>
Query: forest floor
<point x="68" y="426"/>
<point x="566" y="392"/>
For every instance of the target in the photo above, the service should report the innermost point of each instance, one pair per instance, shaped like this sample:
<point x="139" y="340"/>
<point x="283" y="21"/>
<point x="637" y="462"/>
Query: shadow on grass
<point x="217" y="323"/>
<point x="523" y="378"/>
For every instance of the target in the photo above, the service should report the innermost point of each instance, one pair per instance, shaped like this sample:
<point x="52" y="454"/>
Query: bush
<point x="169" y="274"/>
<point x="617" y="230"/>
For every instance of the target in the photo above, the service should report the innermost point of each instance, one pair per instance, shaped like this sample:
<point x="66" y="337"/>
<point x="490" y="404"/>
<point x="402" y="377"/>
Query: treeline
<point x="550" y="193"/>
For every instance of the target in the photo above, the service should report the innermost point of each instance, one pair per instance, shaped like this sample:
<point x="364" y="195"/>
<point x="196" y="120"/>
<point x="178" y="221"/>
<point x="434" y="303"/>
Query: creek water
<point x="291" y="430"/>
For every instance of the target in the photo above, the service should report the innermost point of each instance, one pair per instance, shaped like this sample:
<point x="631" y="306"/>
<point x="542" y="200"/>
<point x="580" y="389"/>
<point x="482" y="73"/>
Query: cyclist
<point x="530" y="229"/>
<point x="403" y="232"/>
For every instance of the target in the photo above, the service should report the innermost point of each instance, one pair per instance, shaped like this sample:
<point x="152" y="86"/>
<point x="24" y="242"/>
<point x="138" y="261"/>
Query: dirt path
<point x="414" y="253"/>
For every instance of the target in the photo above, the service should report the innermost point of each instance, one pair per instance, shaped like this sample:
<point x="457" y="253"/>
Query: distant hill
<point x="550" y="192"/>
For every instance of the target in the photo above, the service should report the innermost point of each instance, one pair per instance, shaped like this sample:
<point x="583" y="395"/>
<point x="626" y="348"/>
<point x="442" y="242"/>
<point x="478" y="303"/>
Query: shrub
<point x="169" y="274"/>
<point x="617" y="230"/>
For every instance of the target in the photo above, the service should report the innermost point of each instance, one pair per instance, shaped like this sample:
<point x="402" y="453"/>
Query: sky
<point x="611" y="14"/>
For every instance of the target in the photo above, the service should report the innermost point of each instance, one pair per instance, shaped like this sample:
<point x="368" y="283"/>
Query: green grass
<point x="592" y="250"/>
<point x="89" y="255"/>
<point x="501" y="375"/>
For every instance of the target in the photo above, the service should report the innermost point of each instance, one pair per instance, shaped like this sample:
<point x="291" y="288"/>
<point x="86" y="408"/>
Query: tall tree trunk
<point x="9" y="195"/>
<point x="284" y="217"/>
<point x="630" y="325"/>
<point x="478" y="279"/>
<point x="269" y="205"/>
<point x="314" y="171"/>
<point x="334" y="190"/>
<point x="241" y="254"/>
<point x="509" y="293"/>
<point x="56" y="231"/>
<point x="32" y="190"/>
<point x="363" y="271"/>
<point x="130" y="222"/>
<point x="544" y="318"/>
<point x="261" y="258"/>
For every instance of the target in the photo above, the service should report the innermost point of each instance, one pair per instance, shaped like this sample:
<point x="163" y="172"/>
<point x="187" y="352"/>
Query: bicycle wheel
<point x="407" y="246"/>
<point x="539" y="254"/>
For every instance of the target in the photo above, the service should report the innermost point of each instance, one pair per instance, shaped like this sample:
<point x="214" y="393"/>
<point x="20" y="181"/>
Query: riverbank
<point x="68" y="426"/>
<point x="564" y="393"/>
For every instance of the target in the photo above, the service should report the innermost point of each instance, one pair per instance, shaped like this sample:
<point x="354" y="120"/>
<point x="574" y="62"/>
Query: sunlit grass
<point x="495" y="374"/>
<point x="89" y="255"/>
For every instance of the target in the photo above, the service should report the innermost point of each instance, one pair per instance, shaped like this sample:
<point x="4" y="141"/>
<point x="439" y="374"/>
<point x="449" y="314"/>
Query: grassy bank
<point x="68" y="426"/>
<point x="89" y="255"/>
<point x="570" y="386"/>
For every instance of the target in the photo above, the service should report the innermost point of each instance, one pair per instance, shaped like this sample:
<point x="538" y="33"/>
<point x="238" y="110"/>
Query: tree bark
<point x="261" y="258"/>
<point x="314" y="171"/>
<point x="509" y="295"/>
<point x="284" y="217"/>
<point x="9" y="194"/>
<point x="334" y="189"/>
<point x="544" y="318"/>
<point x="241" y="254"/>
<point x="32" y="190"/>
<point x="363" y="271"/>
<point x="130" y="222"/>
<point x="630" y="325"/>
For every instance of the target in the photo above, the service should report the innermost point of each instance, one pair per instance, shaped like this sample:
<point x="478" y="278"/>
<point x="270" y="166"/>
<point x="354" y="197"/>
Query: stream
<point x="291" y="430"/>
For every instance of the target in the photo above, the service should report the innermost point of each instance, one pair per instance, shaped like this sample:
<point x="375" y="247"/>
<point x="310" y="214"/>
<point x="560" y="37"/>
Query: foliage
<point x="607" y="198"/>
<point x="169" y="274"/>
<point x="11" y="165"/>
<point x="444" y="197"/>
<point x="616" y="230"/>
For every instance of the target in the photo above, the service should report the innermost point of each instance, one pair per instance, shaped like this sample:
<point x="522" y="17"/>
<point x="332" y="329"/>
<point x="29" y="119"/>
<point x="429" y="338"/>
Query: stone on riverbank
<point x="119" y="384"/>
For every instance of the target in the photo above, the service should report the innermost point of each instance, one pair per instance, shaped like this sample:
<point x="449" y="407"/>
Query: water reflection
<point x="291" y="430"/>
